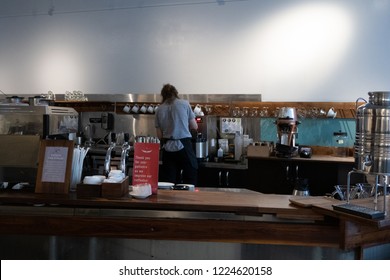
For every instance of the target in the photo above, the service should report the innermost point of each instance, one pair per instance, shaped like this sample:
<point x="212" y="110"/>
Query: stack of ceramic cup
<point x="115" y="176"/>
<point x="94" y="180"/>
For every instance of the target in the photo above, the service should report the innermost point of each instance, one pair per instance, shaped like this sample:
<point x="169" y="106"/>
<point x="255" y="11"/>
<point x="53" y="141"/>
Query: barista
<point x="173" y="121"/>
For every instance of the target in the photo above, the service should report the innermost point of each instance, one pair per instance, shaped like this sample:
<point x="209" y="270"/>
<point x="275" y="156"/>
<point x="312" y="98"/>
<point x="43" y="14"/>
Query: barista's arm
<point x="193" y="124"/>
<point x="159" y="133"/>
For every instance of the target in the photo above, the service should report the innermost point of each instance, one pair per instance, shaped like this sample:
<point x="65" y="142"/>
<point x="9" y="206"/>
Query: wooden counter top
<point x="325" y="205"/>
<point x="214" y="215"/>
<point x="236" y="201"/>
<point x="318" y="158"/>
<point x="356" y="231"/>
<point x="240" y="216"/>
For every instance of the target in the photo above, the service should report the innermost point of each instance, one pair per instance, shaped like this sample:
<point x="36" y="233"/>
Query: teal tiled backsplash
<point x="313" y="132"/>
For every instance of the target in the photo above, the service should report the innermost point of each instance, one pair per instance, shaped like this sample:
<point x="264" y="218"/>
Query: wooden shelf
<point x="345" y="110"/>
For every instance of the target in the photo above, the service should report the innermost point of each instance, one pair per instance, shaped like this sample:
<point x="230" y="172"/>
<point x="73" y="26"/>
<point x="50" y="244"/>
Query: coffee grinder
<point x="287" y="129"/>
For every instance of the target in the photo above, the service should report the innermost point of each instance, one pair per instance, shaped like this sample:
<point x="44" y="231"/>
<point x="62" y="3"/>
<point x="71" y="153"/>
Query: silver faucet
<point x="125" y="148"/>
<point x="107" y="161"/>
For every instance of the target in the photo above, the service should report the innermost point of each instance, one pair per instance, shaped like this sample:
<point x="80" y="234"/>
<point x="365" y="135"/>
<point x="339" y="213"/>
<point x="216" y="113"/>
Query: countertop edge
<point x="323" y="158"/>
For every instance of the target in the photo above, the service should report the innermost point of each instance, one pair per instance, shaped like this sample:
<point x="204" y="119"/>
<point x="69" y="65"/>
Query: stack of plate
<point x="165" y="185"/>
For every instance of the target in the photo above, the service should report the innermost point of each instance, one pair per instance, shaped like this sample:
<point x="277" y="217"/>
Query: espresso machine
<point x="22" y="126"/>
<point x="231" y="134"/>
<point x="287" y="129"/>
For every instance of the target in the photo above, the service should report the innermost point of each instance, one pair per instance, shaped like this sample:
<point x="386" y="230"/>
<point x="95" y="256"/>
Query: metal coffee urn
<point x="372" y="142"/>
<point x="201" y="147"/>
<point x="371" y="151"/>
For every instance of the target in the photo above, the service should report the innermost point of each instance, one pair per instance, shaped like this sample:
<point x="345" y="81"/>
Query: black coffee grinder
<point x="287" y="128"/>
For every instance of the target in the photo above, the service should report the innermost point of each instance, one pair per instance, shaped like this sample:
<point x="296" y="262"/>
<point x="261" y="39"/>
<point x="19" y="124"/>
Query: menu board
<point x="146" y="164"/>
<point x="55" y="166"/>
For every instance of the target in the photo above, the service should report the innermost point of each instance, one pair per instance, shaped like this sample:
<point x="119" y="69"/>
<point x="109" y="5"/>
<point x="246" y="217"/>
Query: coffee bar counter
<point x="271" y="174"/>
<point x="313" y="158"/>
<point x="244" y="164"/>
<point x="225" y="165"/>
<point x="208" y="215"/>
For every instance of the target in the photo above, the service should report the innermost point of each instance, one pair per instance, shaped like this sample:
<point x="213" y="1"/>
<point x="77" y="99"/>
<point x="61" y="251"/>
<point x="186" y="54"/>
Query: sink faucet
<point x="125" y="148"/>
<point x="107" y="161"/>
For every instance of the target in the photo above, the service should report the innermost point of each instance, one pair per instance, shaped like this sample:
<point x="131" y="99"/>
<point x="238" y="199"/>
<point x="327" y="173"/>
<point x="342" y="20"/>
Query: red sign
<point x="146" y="163"/>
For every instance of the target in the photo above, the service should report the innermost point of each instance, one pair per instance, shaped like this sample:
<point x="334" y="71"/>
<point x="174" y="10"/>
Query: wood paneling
<point x="175" y="229"/>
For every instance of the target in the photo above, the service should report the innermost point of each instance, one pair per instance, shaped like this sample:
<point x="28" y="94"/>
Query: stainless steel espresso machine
<point x="21" y="127"/>
<point x="287" y="129"/>
<point x="230" y="133"/>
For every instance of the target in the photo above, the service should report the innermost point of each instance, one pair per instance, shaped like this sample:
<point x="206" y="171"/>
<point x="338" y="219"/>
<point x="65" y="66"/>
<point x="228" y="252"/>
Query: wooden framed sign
<point x="55" y="166"/>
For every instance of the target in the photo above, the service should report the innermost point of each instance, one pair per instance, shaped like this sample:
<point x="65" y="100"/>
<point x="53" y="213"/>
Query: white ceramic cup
<point x="90" y="180"/>
<point x="143" y="109"/>
<point x="151" y="109"/>
<point x="99" y="177"/>
<point x="197" y="109"/>
<point x="135" y="108"/>
<point x="72" y="136"/>
<point x="141" y="190"/>
<point x="155" y="108"/>
<point x="331" y="113"/>
<point x="116" y="173"/>
<point x="126" y="109"/>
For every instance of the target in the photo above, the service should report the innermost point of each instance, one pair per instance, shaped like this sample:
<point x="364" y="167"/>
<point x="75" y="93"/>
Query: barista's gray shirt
<point x="173" y="119"/>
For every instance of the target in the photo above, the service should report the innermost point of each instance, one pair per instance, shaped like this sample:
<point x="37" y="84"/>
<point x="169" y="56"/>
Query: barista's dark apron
<point x="188" y="150"/>
<point x="180" y="166"/>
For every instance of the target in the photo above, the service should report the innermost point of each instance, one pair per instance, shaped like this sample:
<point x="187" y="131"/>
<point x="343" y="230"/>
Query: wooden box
<point x="116" y="190"/>
<point x="258" y="151"/>
<point x="88" y="190"/>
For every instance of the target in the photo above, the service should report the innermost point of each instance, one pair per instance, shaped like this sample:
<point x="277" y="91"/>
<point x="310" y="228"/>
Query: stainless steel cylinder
<point x="201" y="149"/>
<point x="372" y="141"/>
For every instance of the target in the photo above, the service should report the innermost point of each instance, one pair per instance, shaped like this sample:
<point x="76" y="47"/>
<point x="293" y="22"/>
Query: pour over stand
<point x="362" y="211"/>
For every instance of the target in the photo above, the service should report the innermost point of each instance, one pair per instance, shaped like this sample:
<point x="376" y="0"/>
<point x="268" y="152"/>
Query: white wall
<point x="287" y="50"/>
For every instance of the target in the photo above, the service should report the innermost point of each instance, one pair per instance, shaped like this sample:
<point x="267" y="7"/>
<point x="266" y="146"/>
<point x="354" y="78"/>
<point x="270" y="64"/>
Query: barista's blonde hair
<point x="169" y="93"/>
